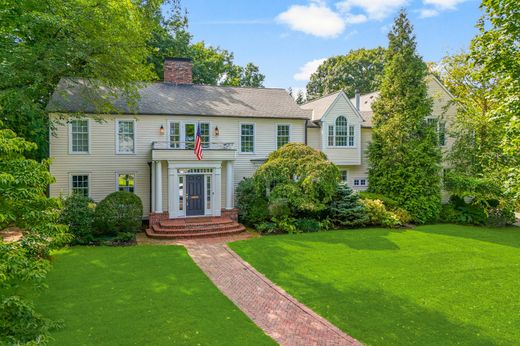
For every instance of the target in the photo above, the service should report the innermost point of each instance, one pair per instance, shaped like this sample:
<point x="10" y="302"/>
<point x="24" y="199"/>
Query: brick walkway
<point x="280" y="316"/>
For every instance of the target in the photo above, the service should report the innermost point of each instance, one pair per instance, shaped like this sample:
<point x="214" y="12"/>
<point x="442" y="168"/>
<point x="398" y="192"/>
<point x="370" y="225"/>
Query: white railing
<point x="165" y="145"/>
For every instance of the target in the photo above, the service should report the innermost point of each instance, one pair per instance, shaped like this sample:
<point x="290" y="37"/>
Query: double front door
<point x="194" y="194"/>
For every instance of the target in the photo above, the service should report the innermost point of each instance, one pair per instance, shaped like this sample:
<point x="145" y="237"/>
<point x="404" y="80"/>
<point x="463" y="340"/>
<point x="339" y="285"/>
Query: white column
<point x="152" y="189"/>
<point x="217" y="188"/>
<point x="173" y="191"/>
<point x="229" y="185"/>
<point x="158" y="187"/>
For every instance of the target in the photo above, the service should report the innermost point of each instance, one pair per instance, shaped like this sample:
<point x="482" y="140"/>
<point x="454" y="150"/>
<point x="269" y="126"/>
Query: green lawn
<point x="438" y="284"/>
<point x="143" y="295"/>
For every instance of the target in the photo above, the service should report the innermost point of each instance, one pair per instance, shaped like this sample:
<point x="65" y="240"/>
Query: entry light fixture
<point x="217" y="132"/>
<point x="161" y="130"/>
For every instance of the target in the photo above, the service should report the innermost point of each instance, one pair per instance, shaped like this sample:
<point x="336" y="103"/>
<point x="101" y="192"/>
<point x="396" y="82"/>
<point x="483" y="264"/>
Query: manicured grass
<point x="145" y="295"/>
<point x="434" y="285"/>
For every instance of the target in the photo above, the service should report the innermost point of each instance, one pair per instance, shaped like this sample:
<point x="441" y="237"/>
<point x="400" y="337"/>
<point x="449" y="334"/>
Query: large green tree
<point x="43" y="41"/>
<point x="24" y="207"/>
<point x="404" y="154"/>
<point x="496" y="49"/>
<point x="360" y="69"/>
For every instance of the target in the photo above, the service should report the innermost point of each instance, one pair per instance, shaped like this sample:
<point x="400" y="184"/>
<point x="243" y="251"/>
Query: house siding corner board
<point x="102" y="163"/>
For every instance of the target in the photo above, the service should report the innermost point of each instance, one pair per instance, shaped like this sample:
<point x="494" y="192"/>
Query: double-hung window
<point x="282" y="135"/>
<point x="440" y="129"/>
<point x="125" y="136"/>
<point x="175" y="135"/>
<point x="79" y="136"/>
<point x="341" y="134"/>
<point x="344" y="175"/>
<point x="204" y="135"/>
<point x="247" y="138"/>
<point x="79" y="184"/>
<point x="126" y="182"/>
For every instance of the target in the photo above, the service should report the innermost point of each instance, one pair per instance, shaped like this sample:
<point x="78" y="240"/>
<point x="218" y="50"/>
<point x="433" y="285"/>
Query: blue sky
<point x="287" y="38"/>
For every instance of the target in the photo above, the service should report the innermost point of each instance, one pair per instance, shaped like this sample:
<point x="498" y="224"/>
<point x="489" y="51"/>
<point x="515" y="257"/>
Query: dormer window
<point x="341" y="134"/>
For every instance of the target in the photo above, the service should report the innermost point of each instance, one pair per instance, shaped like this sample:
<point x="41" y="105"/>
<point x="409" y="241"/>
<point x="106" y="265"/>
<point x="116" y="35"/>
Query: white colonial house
<point x="147" y="148"/>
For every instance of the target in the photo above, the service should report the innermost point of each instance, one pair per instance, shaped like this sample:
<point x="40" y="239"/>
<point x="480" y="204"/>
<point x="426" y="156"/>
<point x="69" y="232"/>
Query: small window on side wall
<point x="360" y="182"/>
<point x="79" y="184"/>
<point x="344" y="175"/>
<point x="126" y="182"/>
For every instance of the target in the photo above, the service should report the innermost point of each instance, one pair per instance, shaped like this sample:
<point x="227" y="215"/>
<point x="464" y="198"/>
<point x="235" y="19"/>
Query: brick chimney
<point x="178" y="70"/>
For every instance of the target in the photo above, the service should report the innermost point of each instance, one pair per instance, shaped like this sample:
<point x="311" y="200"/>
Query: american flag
<point x="198" y="144"/>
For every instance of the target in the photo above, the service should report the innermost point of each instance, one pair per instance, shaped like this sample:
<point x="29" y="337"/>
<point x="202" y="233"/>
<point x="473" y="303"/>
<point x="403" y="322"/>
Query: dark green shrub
<point x="308" y="225"/>
<point x="501" y="216"/>
<point x="346" y="209"/>
<point x="252" y="208"/>
<point x="78" y="213"/>
<point x="120" y="211"/>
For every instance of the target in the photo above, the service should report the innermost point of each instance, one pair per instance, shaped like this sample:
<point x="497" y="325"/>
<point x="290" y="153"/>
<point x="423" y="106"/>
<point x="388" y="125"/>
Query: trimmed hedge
<point x="119" y="212"/>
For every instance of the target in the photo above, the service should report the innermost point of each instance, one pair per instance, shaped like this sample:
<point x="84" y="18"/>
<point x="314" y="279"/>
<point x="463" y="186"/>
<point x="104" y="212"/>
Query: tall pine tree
<point x="404" y="155"/>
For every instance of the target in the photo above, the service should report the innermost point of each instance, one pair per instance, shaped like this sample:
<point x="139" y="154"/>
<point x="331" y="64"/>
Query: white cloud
<point x="355" y="18"/>
<point x="434" y="7"/>
<point x="307" y="69"/>
<point x="374" y="9"/>
<point x="444" y="4"/>
<point x="315" y="19"/>
<point x="428" y="12"/>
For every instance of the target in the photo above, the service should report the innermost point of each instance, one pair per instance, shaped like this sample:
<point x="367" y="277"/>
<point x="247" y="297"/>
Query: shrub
<point x="346" y="209"/>
<point x="389" y="203"/>
<point x="120" y="211"/>
<point x="378" y="215"/>
<point x="253" y="208"/>
<point x="308" y="225"/>
<point x="493" y="213"/>
<point x="300" y="174"/>
<point x="78" y="213"/>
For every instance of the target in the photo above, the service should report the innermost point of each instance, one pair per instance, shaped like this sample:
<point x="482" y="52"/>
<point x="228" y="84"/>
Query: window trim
<point x="71" y="190"/>
<point x="359" y="179"/>
<point x="438" y="122"/>
<point x="182" y="132"/>
<point x="240" y="139"/>
<point x="134" y="173"/>
<point x="71" y="152"/>
<point x="333" y="125"/>
<point x="289" y="134"/>
<point x="118" y="152"/>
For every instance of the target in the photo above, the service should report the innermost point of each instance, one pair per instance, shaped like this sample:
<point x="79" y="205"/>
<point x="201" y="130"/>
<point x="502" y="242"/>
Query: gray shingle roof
<point x="320" y="106"/>
<point x="365" y="106"/>
<point x="77" y="95"/>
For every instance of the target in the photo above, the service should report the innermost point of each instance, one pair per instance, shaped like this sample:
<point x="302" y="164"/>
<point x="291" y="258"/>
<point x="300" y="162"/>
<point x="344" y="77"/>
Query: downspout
<point x="306" y="122"/>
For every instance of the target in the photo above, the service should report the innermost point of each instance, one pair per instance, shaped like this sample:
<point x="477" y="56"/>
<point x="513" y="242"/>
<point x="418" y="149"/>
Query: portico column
<point x="158" y="187"/>
<point x="229" y="185"/>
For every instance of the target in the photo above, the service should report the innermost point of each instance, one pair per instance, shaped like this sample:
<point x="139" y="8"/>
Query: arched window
<point x="341" y="134"/>
<point x="341" y="131"/>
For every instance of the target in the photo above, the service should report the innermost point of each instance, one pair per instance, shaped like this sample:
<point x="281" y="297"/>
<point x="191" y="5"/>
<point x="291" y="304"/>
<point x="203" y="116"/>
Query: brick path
<point x="280" y="316"/>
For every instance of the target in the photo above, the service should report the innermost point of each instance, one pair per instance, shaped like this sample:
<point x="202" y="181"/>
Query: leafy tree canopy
<point x="300" y="175"/>
<point x="404" y="156"/>
<point x="497" y="50"/>
<point x="24" y="206"/>
<point x="360" y="69"/>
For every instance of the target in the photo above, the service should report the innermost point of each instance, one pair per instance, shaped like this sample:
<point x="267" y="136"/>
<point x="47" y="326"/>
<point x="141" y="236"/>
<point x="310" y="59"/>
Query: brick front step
<point x="199" y="227"/>
<point x="189" y="235"/>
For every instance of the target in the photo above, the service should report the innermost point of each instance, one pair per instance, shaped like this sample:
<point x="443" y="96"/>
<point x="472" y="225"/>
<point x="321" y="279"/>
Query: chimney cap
<point x="177" y="59"/>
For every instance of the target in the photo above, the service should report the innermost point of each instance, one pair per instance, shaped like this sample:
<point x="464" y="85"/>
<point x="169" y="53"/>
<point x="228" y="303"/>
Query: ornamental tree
<point x="404" y="156"/>
<point x="24" y="206"/>
<point x="299" y="177"/>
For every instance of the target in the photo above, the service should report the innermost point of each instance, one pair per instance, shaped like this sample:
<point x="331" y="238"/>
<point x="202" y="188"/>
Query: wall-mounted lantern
<point x="161" y="130"/>
<point x="217" y="132"/>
